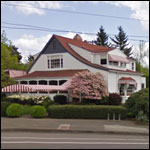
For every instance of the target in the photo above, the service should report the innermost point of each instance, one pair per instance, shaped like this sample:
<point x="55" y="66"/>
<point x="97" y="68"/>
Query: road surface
<point x="28" y="140"/>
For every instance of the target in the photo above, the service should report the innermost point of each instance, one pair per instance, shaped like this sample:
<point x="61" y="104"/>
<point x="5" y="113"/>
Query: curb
<point x="72" y="131"/>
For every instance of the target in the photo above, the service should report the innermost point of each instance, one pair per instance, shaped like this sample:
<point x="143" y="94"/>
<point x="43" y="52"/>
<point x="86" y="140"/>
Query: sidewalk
<point x="73" y="126"/>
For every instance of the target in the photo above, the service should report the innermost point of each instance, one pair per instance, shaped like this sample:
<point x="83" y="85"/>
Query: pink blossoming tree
<point x="88" y="85"/>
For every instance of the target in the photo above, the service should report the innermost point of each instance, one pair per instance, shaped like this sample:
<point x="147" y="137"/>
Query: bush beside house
<point x="27" y="100"/>
<point x="38" y="111"/>
<point x="114" y="99"/>
<point x="60" y="99"/>
<point x="138" y="102"/>
<point x="85" y="112"/>
<point x="14" y="110"/>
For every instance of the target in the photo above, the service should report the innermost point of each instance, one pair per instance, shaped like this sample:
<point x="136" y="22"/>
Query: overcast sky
<point x="32" y="41"/>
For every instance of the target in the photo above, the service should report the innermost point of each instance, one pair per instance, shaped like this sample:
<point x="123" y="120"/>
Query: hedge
<point x="86" y="111"/>
<point x="4" y="106"/>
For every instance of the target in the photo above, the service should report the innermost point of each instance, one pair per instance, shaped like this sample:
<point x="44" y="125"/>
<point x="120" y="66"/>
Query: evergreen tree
<point x="102" y="38"/>
<point x="121" y="41"/>
<point x="30" y="58"/>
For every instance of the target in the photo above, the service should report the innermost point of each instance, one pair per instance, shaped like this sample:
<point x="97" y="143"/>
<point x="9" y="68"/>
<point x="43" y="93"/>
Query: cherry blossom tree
<point x="88" y="85"/>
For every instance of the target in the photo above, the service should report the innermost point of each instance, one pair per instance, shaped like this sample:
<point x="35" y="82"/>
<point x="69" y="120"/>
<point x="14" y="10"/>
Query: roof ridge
<point x="78" y="41"/>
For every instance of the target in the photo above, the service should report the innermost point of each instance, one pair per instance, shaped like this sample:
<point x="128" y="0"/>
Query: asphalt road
<point x="21" y="140"/>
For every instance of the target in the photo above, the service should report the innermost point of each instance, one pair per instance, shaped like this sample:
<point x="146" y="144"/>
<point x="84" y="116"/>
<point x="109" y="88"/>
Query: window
<point x="132" y="66"/>
<point x="130" y="89"/>
<point x="55" y="62"/>
<point x="61" y="63"/>
<point x="103" y="61"/>
<point x="48" y="63"/>
<point x="110" y="63"/>
<point x="122" y="89"/>
<point x="115" y="63"/>
<point x="142" y="86"/>
<point x="121" y="64"/>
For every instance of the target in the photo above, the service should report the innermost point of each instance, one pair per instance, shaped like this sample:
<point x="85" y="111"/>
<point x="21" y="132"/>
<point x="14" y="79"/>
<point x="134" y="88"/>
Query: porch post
<point x="125" y="91"/>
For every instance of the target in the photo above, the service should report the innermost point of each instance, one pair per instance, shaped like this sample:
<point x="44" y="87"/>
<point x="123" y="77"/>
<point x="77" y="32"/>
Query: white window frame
<point x="52" y="57"/>
<point x="132" y="66"/>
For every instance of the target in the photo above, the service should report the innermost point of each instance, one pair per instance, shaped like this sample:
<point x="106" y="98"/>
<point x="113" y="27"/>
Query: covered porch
<point x="127" y="86"/>
<point x="37" y="90"/>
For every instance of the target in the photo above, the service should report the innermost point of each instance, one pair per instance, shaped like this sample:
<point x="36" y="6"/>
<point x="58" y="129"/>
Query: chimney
<point x="85" y="41"/>
<point x="77" y="37"/>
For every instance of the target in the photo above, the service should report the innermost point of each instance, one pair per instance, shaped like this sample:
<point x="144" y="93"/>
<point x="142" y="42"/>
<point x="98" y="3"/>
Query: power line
<point x="76" y="12"/>
<point x="54" y="31"/>
<point x="49" y="29"/>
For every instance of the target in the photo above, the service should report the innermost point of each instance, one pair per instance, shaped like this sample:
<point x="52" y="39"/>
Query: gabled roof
<point x="90" y="47"/>
<point x="64" y="41"/>
<point x="83" y="44"/>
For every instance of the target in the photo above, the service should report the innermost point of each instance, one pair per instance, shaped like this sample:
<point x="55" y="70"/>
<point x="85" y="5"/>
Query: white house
<point x="62" y="57"/>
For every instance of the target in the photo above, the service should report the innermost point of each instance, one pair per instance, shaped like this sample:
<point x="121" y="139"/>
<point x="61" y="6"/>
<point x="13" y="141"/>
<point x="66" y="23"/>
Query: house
<point x="62" y="57"/>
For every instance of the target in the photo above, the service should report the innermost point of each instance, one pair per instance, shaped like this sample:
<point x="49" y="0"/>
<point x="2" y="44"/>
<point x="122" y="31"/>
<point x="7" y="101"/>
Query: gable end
<point x="52" y="46"/>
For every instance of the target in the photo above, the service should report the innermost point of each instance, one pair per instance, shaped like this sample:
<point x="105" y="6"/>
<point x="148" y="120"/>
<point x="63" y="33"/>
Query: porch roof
<point x="127" y="80"/>
<point x="35" y="88"/>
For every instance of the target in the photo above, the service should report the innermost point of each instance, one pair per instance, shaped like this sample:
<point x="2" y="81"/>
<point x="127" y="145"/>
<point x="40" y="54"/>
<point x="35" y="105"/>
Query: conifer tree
<point x="121" y="41"/>
<point x="102" y="38"/>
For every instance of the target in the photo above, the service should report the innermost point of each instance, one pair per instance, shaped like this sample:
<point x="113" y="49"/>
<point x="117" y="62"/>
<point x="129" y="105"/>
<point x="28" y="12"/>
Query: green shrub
<point x="4" y="106"/>
<point x="26" y="109"/>
<point x="48" y="103"/>
<point x="60" y="99"/>
<point x="28" y="99"/>
<point x="137" y="102"/>
<point x="14" y="110"/>
<point x="141" y="117"/>
<point x="103" y="101"/>
<point x="38" y="111"/>
<point x="114" y="99"/>
<point x="85" y="111"/>
<point x="3" y="94"/>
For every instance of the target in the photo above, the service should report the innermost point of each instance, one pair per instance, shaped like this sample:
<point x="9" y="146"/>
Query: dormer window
<point x="115" y="63"/>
